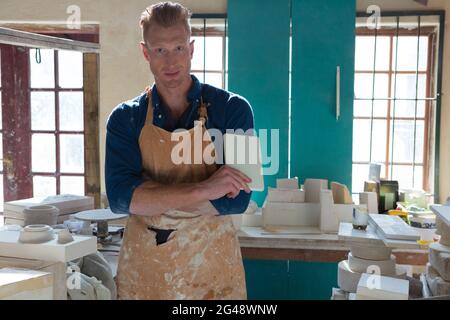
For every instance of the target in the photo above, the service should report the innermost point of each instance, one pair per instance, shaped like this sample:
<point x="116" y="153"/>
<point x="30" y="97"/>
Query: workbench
<point x="258" y="244"/>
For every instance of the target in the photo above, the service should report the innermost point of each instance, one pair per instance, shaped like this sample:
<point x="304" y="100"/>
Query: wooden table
<point x="258" y="244"/>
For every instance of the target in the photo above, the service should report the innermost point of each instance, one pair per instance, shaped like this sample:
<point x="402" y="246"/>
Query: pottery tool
<point x="101" y="217"/>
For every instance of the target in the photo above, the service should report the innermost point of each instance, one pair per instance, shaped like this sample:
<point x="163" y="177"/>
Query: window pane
<point x="407" y="54"/>
<point x="214" y="47"/>
<point x="361" y="140"/>
<point x="199" y="76"/>
<point x="72" y="185"/>
<point x="364" y="53"/>
<point x="405" y="86"/>
<point x="42" y="111"/>
<point x="70" y="65"/>
<point x="380" y="108"/>
<point x="364" y="84"/>
<point x="71" y="111"/>
<point x="365" y="48"/>
<point x="360" y="173"/>
<point x="44" y="186"/>
<point x="1" y="154"/>
<point x="1" y="193"/>
<point x="362" y="108"/>
<point x="43" y="152"/>
<point x="403" y="174"/>
<point x="379" y="140"/>
<point x="42" y="74"/>
<point x="214" y="79"/>
<point x="420" y="138"/>
<point x="403" y="140"/>
<point x="418" y="177"/>
<point x="406" y="108"/>
<point x="197" y="59"/>
<point x="1" y="108"/>
<point x="72" y="153"/>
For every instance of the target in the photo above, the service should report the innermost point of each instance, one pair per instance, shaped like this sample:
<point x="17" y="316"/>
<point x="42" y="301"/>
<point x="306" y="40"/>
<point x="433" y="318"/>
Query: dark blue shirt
<point x="123" y="163"/>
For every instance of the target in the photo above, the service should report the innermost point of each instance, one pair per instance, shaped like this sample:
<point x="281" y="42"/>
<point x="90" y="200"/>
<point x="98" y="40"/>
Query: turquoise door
<point x="323" y="37"/>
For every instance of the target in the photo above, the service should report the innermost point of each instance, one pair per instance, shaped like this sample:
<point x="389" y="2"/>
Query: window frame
<point x="87" y="34"/>
<point x="205" y="32"/>
<point x="435" y="68"/>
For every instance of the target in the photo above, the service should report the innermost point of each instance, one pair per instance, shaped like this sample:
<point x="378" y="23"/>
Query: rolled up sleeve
<point x="123" y="164"/>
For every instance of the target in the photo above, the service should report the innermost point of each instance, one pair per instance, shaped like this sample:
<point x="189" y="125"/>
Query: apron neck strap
<point x="202" y="109"/>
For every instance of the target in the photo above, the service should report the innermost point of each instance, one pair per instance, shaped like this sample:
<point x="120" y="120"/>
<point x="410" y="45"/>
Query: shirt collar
<point x="193" y="95"/>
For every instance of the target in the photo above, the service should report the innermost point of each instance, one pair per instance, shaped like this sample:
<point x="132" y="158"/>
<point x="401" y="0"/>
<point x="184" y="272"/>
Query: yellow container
<point x="401" y="214"/>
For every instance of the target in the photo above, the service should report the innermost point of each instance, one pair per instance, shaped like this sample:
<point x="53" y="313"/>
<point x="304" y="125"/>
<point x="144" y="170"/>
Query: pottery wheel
<point x="101" y="216"/>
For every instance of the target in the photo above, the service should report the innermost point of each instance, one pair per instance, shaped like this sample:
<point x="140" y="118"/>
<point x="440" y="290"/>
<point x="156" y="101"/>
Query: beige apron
<point x="202" y="258"/>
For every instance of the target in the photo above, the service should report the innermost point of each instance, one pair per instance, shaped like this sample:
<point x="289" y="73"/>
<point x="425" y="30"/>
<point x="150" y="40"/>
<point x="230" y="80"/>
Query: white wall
<point x="123" y="73"/>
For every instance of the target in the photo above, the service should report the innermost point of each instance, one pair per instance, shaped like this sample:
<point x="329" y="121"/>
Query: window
<point x="396" y="100"/>
<point x="57" y="129"/>
<point x="210" y="49"/>
<point x="46" y="97"/>
<point x="1" y="139"/>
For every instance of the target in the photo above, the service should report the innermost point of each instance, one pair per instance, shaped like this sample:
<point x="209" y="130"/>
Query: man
<point x="180" y="242"/>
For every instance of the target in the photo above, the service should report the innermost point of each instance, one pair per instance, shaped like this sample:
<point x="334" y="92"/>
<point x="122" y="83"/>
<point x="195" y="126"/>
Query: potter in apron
<point x="178" y="255"/>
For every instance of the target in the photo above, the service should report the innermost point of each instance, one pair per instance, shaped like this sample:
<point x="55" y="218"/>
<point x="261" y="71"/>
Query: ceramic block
<point x="21" y="222"/>
<point x="443" y="212"/>
<point x="252" y="220"/>
<point x="441" y="227"/>
<point x="339" y="294"/>
<point x="371" y="253"/>
<point x="24" y="284"/>
<point x="57" y="269"/>
<point x="287" y="183"/>
<point x="359" y="237"/>
<point x="348" y="279"/>
<point x="291" y="214"/>
<point x="437" y="285"/>
<point x="386" y="267"/>
<point x="65" y="203"/>
<point x="383" y="288"/>
<point x="48" y="251"/>
<point x="445" y="240"/>
<point x="369" y="199"/>
<point x="332" y="214"/>
<point x="312" y="189"/>
<point x="393" y="227"/>
<point x="243" y="152"/>
<point x="439" y="258"/>
<point x="329" y="221"/>
<point x="286" y="195"/>
<point x="341" y="195"/>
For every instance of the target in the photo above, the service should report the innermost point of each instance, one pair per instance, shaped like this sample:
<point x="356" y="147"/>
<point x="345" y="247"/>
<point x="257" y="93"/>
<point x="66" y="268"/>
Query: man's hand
<point x="225" y="181"/>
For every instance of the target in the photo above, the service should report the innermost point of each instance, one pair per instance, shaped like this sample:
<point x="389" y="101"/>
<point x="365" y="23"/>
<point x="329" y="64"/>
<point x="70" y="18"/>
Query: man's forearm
<point x="152" y="198"/>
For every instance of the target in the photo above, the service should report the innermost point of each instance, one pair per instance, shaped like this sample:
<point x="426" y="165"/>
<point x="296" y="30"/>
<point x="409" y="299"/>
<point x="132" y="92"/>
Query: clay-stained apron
<point x="202" y="258"/>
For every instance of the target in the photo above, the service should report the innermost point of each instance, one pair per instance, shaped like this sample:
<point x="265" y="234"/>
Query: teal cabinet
<point x="283" y="280"/>
<point x="258" y="69"/>
<point x="323" y="38"/>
